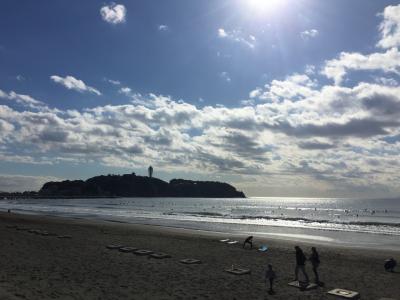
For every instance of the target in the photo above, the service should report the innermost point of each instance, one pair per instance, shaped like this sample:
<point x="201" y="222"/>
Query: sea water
<point x="370" y="223"/>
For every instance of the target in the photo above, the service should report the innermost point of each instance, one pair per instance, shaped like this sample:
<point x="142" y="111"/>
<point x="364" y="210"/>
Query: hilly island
<point x="131" y="185"/>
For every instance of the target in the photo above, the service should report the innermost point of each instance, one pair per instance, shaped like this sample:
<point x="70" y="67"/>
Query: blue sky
<point x="291" y="98"/>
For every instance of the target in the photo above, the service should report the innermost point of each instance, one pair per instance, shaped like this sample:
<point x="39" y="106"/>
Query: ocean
<point x="365" y="223"/>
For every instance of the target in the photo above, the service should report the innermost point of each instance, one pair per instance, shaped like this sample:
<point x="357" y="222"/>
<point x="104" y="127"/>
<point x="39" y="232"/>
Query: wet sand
<point x="46" y="267"/>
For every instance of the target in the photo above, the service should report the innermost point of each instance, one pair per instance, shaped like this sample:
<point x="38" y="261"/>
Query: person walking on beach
<point x="249" y="240"/>
<point x="270" y="275"/>
<point x="300" y="264"/>
<point x="314" y="259"/>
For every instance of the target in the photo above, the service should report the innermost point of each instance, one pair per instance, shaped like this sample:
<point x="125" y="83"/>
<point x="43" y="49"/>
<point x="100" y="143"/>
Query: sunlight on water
<point x="326" y="215"/>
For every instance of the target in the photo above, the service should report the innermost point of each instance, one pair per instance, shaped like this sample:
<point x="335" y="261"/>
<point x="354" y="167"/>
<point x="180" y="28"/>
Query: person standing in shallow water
<point x="300" y="264"/>
<point x="314" y="259"/>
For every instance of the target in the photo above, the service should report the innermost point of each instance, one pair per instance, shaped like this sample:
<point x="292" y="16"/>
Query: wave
<point x="282" y="218"/>
<point x="193" y="213"/>
<point x="322" y="221"/>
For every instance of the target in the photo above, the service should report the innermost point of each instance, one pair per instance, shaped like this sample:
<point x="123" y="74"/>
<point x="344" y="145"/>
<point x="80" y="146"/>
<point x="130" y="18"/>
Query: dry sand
<point x="46" y="267"/>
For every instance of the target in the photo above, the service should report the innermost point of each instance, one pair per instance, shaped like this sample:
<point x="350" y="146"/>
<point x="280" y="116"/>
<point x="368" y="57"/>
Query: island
<point x="132" y="185"/>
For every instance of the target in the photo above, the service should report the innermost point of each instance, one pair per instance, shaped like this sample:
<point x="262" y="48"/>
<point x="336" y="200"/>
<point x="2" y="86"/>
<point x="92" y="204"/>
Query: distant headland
<point x="131" y="185"/>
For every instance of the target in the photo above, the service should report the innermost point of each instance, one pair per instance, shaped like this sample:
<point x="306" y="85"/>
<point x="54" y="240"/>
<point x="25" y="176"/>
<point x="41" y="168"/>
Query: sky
<point x="296" y="98"/>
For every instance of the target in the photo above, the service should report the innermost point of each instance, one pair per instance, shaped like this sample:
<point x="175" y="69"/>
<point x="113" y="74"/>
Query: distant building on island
<point x="150" y="169"/>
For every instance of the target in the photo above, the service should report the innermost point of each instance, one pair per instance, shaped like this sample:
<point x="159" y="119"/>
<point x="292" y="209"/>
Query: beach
<point x="79" y="266"/>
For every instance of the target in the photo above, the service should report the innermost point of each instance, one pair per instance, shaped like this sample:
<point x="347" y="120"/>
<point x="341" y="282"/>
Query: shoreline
<point x="45" y="267"/>
<point x="330" y="237"/>
<point x="191" y="232"/>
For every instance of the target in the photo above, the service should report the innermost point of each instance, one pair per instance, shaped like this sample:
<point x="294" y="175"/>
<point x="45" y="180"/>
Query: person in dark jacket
<point x="249" y="241"/>
<point x="270" y="276"/>
<point x="390" y="264"/>
<point x="300" y="264"/>
<point x="314" y="259"/>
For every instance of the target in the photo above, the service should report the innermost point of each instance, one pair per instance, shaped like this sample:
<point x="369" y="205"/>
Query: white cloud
<point x="309" y="70"/>
<point x="238" y="36"/>
<point x="222" y="33"/>
<point x="125" y="90"/>
<point x="386" y="81"/>
<point x="24" y="100"/>
<point x="388" y="62"/>
<point x="20" y="78"/>
<point x="310" y="33"/>
<point x="163" y="27"/>
<point x="296" y="86"/>
<point x="114" y="82"/>
<point x="280" y="135"/>
<point x="113" y="13"/>
<point x="75" y="84"/>
<point x="225" y="76"/>
<point x="255" y="93"/>
<point x="390" y="27"/>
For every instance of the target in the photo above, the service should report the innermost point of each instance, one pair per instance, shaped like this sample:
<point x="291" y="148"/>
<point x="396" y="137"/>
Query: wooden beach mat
<point x="114" y="247"/>
<point x="143" y="252"/>
<point x="190" y="261"/>
<point x="127" y="249"/>
<point x="344" y="293"/>
<point x="303" y="285"/>
<point x="36" y="231"/>
<point x="160" y="255"/>
<point x="238" y="271"/>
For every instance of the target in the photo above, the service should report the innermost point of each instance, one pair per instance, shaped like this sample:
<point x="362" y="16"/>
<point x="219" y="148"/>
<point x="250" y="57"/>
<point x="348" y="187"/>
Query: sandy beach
<point x="33" y="266"/>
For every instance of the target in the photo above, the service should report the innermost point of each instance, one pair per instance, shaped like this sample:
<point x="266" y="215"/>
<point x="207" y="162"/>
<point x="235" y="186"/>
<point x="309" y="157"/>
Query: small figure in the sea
<point x="9" y="211"/>
<point x="300" y="264"/>
<point x="150" y="169"/>
<point x="249" y="241"/>
<point x="270" y="275"/>
<point x="314" y="259"/>
<point x="390" y="264"/>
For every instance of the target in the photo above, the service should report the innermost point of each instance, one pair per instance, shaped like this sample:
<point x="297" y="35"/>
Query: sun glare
<point x="260" y="6"/>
